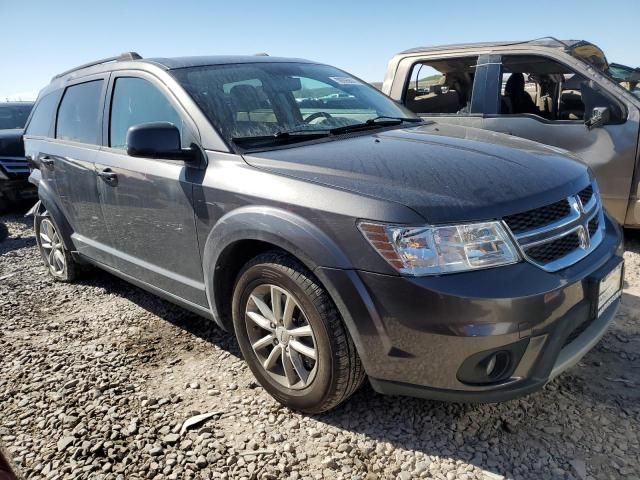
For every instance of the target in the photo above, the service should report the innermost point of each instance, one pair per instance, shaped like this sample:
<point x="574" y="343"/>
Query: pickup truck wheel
<point x="291" y="335"/>
<point x="56" y="257"/>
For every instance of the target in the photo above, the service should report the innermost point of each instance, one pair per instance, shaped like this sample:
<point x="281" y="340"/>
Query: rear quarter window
<point x="78" y="115"/>
<point x="43" y="116"/>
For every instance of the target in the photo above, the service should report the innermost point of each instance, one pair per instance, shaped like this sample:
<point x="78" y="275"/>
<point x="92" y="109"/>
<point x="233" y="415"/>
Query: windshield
<point x="14" y="116"/>
<point x="628" y="77"/>
<point x="269" y="99"/>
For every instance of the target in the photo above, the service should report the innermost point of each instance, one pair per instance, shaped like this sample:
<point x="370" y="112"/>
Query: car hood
<point x="447" y="173"/>
<point x="11" y="144"/>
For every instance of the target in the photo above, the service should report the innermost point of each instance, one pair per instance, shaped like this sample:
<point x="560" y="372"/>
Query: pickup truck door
<point x="447" y="89"/>
<point x="609" y="150"/>
<point x="148" y="203"/>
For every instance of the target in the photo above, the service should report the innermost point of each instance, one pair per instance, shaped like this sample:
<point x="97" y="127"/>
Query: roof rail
<point x="120" y="58"/>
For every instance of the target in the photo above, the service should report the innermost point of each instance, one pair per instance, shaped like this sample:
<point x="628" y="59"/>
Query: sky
<point x="42" y="38"/>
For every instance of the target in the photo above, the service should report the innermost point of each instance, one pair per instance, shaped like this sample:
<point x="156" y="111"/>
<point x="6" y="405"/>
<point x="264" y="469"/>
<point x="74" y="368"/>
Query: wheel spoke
<point x="59" y="257"/>
<point x="289" y="369"/>
<point x="45" y="241"/>
<point x="263" y="342"/>
<point x="52" y="257"/>
<point x="260" y="321"/>
<point x="296" y="361"/>
<point x="303" y="349"/>
<point x="276" y="304"/>
<point x="264" y="308"/>
<point x="304" y="331"/>
<point x="287" y="316"/>
<point x="273" y="357"/>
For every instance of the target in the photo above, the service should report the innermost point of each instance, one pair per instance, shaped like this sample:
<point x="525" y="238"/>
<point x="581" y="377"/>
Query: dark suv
<point x="14" y="170"/>
<point x="334" y="232"/>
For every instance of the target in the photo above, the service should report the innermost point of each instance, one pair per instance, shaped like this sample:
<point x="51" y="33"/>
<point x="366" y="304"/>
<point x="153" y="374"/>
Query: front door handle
<point x="47" y="161"/>
<point x="108" y="176"/>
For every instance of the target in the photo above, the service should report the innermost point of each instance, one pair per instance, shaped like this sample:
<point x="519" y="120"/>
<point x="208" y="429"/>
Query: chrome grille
<point x="537" y="217"/>
<point x="558" y="235"/>
<point x="550" y="251"/>
<point x="585" y="194"/>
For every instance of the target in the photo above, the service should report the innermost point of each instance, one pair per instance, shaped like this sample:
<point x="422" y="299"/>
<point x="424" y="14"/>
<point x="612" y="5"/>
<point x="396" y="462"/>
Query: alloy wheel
<point x="281" y="336"/>
<point x="52" y="247"/>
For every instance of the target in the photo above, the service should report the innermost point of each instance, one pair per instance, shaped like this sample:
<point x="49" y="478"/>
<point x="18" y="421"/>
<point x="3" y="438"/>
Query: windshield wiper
<point x="302" y="135"/>
<point x="281" y="137"/>
<point x="377" y="122"/>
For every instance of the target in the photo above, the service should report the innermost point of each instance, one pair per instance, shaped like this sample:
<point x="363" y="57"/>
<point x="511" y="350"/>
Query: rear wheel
<point x="292" y="336"/>
<point x="56" y="257"/>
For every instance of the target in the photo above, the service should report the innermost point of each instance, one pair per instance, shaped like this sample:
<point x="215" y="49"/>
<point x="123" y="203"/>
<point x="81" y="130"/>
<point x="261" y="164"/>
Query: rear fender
<point x="48" y="201"/>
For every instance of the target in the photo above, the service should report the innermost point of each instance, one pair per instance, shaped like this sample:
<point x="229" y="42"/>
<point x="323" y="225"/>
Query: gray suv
<point x="335" y="233"/>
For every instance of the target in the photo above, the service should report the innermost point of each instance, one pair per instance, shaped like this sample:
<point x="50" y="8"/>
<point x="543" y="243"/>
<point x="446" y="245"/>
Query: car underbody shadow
<point x="190" y="322"/>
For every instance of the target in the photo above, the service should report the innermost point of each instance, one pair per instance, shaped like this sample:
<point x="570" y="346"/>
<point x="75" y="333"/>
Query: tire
<point x="58" y="260"/>
<point x="315" y="326"/>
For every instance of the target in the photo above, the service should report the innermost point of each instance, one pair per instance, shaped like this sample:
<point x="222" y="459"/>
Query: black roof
<point x="184" y="62"/>
<point x="129" y="58"/>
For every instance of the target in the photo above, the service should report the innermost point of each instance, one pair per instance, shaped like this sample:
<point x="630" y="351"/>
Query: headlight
<point x="3" y="176"/>
<point x="435" y="250"/>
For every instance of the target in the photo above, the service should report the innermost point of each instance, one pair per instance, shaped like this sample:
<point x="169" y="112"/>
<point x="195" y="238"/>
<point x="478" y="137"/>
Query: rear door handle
<point x="48" y="161"/>
<point x="108" y="176"/>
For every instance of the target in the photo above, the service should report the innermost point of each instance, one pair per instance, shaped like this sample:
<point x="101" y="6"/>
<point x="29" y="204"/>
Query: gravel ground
<point x="99" y="376"/>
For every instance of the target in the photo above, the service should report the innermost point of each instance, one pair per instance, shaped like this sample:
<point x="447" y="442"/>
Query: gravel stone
<point x="171" y="438"/>
<point x="97" y="380"/>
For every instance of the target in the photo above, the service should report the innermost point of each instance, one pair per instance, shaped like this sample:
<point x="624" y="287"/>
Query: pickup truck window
<point x="269" y="99"/>
<point x="441" y="86"/>
<point x="540" y="86"/>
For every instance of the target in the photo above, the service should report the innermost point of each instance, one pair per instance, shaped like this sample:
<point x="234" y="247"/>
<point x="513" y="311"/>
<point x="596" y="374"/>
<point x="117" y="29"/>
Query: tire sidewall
<point x="318" y="390"/>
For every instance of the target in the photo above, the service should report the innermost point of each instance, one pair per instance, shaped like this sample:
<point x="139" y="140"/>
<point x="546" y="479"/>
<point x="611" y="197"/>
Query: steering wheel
<point x="315" y="115"/>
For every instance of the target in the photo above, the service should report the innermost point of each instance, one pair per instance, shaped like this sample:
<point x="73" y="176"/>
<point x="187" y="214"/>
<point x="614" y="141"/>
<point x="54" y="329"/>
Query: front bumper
<point x="415" y="334"/>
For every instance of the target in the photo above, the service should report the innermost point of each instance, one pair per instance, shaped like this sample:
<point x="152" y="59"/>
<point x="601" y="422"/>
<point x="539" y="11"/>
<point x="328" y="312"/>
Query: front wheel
<point x="58" y="260"/>
<point x="291" y="335"/>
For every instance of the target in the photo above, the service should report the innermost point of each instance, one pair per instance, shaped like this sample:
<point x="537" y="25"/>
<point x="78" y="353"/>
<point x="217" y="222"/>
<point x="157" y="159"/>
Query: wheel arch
<point x="248" y="231"/>
<point x="49" y="203"/>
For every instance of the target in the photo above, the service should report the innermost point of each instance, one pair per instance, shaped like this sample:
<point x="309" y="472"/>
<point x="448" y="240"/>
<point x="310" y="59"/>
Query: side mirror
<point x="599" y="116"/>
<point x="157" y="140"/>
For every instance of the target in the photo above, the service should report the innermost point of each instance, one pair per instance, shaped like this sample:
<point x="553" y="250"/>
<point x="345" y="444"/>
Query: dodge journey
<point x="337" y="235"/>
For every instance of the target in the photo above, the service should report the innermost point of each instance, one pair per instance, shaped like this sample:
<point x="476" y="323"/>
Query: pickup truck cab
<point x="561" y="93"/>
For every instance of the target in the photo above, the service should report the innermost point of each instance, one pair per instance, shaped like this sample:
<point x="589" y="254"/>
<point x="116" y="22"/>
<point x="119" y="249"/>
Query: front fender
<point x="276" y="226"/>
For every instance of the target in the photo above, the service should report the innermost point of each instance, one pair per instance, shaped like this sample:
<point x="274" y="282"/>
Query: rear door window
<point x="43" y="116"/>
<point x="441" y="86"/>
<point x="136" y="101"/>
<point x="78" y="116"/>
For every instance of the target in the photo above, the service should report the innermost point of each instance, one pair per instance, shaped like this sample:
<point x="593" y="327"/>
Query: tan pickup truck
<point x="561" y="93"/>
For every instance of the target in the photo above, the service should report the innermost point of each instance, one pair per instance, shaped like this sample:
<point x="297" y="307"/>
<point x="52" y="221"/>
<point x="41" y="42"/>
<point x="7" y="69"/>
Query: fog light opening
<point x="491" y="365"/>
<point x="497" y="364"/>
